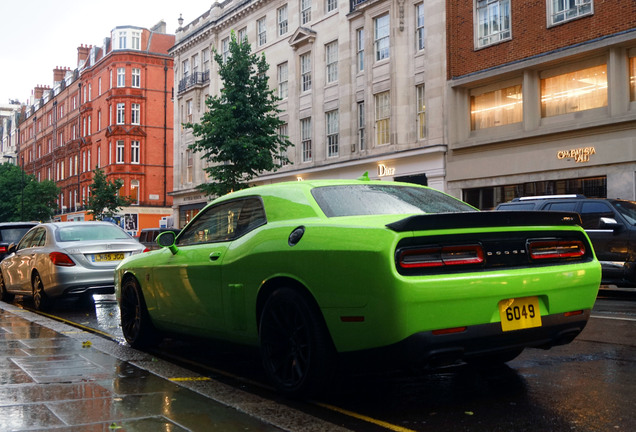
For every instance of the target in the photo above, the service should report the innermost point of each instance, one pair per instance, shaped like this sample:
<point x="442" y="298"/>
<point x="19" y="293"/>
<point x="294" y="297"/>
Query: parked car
<point x="148" y="237"/>
<point x="318" y="272"/>
<point x="12" y="232"/>
<point x="65" y="259"/>
<point x="610" y="224"/>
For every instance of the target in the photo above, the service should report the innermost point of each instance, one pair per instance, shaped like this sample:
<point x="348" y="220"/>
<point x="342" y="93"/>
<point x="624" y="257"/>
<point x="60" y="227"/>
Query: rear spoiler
<point x="485" y="219"/>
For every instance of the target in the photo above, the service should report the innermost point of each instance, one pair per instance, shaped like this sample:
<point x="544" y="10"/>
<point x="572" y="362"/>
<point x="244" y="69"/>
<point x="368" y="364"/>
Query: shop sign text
<point x="579" y="155"/>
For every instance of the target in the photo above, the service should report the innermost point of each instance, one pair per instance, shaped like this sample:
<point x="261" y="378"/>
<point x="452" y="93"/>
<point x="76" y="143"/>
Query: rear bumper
<point x="425" y="349"/>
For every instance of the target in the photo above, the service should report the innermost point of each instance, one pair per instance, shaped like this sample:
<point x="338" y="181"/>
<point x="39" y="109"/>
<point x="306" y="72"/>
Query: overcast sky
<point x="36" y="36"/>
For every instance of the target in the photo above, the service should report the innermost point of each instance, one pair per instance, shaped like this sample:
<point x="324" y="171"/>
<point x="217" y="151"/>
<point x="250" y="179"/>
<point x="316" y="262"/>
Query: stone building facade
<point x="361" y="85"/>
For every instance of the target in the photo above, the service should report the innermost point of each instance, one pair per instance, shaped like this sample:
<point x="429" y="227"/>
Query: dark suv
<point x="610" y="224"/>
<point x="12" y="232"/>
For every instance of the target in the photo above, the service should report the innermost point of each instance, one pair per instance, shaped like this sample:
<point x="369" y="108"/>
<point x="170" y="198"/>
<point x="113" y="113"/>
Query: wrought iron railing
<point x="195" y="79"/>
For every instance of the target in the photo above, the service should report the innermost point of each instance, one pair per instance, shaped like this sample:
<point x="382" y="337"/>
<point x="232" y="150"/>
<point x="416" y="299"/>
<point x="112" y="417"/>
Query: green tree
<point x="104" y="200"/>
<point x="239" y="134"/>
<point x="17" y="188"/>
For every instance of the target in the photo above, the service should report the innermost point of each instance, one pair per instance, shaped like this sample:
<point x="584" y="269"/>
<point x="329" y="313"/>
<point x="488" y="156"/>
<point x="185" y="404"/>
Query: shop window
<point x="579" y="90"/>
<point x="496" y="107"/>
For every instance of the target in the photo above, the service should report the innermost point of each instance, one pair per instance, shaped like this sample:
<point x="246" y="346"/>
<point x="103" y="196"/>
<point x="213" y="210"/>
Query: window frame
<point x="575" y="11"/>
<point x="135" y="152"/>
<point x="381" y="37"/>
<point x="484" y="9"/>
<point x="282" y="18"/>
<point x="332" y="129"/>
<point x="305" y="72"/>
<point x="331" y="62"/>
<point x="305" y="139"/>
<point x="120" y="150"/>
<point x="283" y="80"/>
<point x="261" y="31"/>
<point x="382" y="102"/>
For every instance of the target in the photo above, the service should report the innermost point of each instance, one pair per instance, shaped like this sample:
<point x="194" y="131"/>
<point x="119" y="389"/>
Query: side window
<point x="26" y="240"/>
<point x="39" y="238"/>
<point x="592" y="212"/>
<point x="561" y="206"/>
<point x="223" y="222"/>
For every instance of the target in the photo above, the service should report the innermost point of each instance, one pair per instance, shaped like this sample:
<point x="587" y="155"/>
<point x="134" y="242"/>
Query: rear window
<point x="359" y="200"/>
<point x="90" y="232"/>
<point x="12" y="235"/>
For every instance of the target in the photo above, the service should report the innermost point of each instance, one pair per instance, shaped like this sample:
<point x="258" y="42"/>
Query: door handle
<point x="215" y="256"/>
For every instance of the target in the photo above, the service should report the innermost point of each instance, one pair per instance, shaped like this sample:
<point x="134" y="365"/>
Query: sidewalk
<point x="55" y="377"/>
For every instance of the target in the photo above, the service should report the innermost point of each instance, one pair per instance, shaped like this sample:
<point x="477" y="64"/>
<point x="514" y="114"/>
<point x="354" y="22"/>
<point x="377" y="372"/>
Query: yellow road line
<point x="190" y="379"/>
<point x="367" y="419"/>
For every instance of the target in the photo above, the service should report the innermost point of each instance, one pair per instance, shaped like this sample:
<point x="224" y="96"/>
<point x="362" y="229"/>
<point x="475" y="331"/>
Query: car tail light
<point x="555" y="249"/>
<point x="439" y="256"/>
<point x="146" y="250"/>
<point x="61" y="259"/>
<point x="3" y="249"/>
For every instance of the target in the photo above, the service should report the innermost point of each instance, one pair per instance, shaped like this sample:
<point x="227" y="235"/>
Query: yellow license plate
<point x="519" y="313"/>
<point x="114" y="256"/>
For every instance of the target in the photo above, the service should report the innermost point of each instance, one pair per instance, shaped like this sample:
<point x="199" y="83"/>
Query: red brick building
<point x="113" y="112"/>
<point x="542" y="99"/>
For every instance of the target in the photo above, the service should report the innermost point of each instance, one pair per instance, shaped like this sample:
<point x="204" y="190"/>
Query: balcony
<point x="196" y="79"/>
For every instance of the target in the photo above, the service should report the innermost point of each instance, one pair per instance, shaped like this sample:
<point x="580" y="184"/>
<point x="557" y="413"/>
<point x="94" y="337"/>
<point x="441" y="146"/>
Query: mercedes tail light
<point x="61" y="259"/>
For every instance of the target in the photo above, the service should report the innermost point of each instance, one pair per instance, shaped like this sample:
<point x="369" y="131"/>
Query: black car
<point x="12" y="232"/>
<point x="147" y="237"/>
<point x="610" y="224"/>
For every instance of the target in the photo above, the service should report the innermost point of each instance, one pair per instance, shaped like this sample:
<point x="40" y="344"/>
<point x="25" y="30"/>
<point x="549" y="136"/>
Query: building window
<point x="331" y="118"/>
<point x="134" y="192"/>
<point x="361" y="136"/>
<point x="122" y="39"/>
<point x="360" y="49"/>
<point x="493" y="21"/>
<point x="206" y="60"/>
<point x="381" y="37"/>
<point x="136" y="78"/>
<point x="185" y="67"/>
<point x="121" y="77"/>
<point x="135" y="110"/>
<point x="225" y="49"/>
<point x="119" y="158"/>
<point x="305" y="72"/>
<point x="382" y="118"/>
<point x="136" y="40"/>
<point x="305" y="138"/>
<point x="560" y="11"/>
<point x="195" y="64"/>
<point x="332" y="5"/>
<point x="261" y="31"/>
<point x="189" y="162"/>
<point x="421" y="112"/>
<point x="135" y="147"/>
<point x="574" y="91"/>
<point x="242" y="35"/>
<point x="281" y="13"/>
<point x="331" y="59"/>
<point x="189" y="111"/>
<point x="305" y="11"/>
<point x="282" y="80"/>
<point x="90" y="125"/>
<point x="121" y="113"/>
<point x="632" y="78"/>
<point x="99" y="120"/>
<point x="496" y="107"/>
<point x="419" y="25"/>
<point x="283" y="133"/>
<point x="90" y="92"/>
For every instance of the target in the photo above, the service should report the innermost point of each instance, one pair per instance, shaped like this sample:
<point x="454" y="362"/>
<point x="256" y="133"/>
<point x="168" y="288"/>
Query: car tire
<point x="5" y="296"/>
<point x="136" y="324"/>
<point x="41" y="301"/>
<point x="296" y="348"/>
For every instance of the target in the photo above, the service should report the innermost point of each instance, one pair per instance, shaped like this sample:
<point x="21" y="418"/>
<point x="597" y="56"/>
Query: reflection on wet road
<point x="589" y="385"/>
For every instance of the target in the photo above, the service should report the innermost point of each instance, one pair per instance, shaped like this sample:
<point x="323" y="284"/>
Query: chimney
<point x="39" y="90"/>
<point x="82" y="53"/>
<point x="58" y="74"/>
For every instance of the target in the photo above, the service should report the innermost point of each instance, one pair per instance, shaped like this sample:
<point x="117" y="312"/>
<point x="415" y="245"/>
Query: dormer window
<point x="127" y="38"/>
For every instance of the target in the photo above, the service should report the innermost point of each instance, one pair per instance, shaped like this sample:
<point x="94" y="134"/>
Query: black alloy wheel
<point x="135" y="320"/>
<point x="5" y="296"/>
<point x="296" y="348"/>
<point x="41" y="301"/>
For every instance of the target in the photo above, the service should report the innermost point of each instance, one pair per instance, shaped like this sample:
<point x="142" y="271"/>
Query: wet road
<point x="588" y="385"/>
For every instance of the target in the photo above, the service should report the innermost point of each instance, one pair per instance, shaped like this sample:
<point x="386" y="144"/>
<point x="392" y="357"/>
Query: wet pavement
<point x="55" y="377"/>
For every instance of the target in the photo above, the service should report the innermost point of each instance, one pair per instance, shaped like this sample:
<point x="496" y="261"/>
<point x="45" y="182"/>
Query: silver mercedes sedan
<point x="65" y="259"/>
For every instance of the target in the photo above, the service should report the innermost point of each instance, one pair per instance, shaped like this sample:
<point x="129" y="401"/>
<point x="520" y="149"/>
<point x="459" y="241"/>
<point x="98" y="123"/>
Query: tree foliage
<point x="239" y="133"/>
<point x="18" y="188"/>
<point x="104" y="201"/>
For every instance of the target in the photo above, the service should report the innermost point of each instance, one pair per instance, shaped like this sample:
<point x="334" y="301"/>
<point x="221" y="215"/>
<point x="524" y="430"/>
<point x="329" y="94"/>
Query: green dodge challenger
<point x="314" y="272"/>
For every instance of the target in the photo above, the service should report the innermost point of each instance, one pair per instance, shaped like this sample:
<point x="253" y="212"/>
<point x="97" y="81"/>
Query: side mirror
<point x="166" y="239"/>
<point x="610" y="223"/>
<point x="12" y="248"/>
